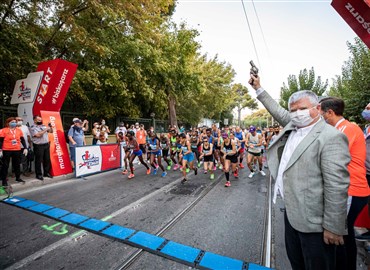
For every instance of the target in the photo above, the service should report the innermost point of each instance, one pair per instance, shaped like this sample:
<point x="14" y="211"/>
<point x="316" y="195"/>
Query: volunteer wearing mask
<point x="27" y="137"/>
<point x="11" y="143"/>
<point x="41" y="147"/>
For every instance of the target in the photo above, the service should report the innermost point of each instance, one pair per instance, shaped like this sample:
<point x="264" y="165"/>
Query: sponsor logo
<point x="112" y="157"/>
<point x="358" y="17"/>
<point x="44" y="85"/>
<point x="24" y="92"/>
<point x="89" y="160"/>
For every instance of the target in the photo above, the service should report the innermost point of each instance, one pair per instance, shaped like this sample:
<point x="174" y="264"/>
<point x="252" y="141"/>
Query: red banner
<point x="58" y="76"/>
<point x="60" y="161"/>
<point x="111" y="156"/>
<point x="357" y="14"/>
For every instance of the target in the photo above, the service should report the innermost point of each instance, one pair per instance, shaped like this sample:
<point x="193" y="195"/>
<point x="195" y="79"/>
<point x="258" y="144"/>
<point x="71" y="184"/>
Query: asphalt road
<point x="227" y="221"/>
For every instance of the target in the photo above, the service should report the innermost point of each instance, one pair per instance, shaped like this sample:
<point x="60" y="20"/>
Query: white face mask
<point x="19" y="123"/>
<point x="103" y="129"/>
<point x="301" y="118"/>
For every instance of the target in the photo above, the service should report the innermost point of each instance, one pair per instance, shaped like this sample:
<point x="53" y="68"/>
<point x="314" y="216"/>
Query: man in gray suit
<point x="308" y="161"/>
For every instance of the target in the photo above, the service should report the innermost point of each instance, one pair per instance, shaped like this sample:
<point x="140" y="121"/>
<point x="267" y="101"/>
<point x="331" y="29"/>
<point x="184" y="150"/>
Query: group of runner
<point x="215" y="148"/>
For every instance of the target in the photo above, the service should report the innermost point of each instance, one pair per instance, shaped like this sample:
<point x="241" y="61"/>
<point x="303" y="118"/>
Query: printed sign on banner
<point x="25" y="89"/>
<point x="58" y="75"/>
<point x="59" y="157"/>
<point x="111" y="156"/>
<point x="357" y="15"/>
<point x="88" y="160"/>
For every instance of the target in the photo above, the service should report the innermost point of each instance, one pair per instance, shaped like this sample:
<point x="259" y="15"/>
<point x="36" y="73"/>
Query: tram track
<point x="265" y="254"/>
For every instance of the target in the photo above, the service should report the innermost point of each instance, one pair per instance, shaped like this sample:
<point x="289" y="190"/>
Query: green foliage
<point x="353" y="86"/>
<point x="306" y="81"/>
<point x="261" y="118"/>
<point x="132" y="60"/>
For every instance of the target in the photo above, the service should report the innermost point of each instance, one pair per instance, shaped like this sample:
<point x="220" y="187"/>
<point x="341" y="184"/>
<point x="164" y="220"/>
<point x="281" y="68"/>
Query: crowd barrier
<point x="92" y="159"/>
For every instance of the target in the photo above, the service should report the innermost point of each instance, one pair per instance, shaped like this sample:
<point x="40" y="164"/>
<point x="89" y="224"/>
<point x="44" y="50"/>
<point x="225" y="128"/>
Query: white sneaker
<point x="262" y="173"/>
<point x="251" y="175"/>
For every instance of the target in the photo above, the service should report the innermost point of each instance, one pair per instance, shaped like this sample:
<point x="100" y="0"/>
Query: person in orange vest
<point x="11" y="143"/>
<point x="358" y="192"/>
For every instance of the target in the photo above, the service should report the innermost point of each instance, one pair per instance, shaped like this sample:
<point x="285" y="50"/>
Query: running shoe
<point x="198" y="164"/>
<point x="187" y="170"/>
<point x="236" y="175"/>
<point x="214" y="167"/>
<point x="241" y="166"/>
<point x="262" y="173"/>
<point x="175" y="167"/>
<point x="168" y="167"/>
<point x="124" y="172"/>
<point x="155" y="171"/>
<point x="227" y="184"/>
<point x="148" y="171"/>
<point x="164" y="174"/>
<point x="205" y="172"/>
<point x="212" y="176"/>
<point x="2" y="190"/>
<point x="251" y="175"/>
<point x="183" y="181"/>
<point x="131" y="176"/>
<point x="156" y="166"/>
<point x="220" y="167"/>
<point x="195" y="171"/>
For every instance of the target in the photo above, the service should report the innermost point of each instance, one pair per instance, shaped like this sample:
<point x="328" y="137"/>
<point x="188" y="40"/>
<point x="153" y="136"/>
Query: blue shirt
<point x="78" y="136"/>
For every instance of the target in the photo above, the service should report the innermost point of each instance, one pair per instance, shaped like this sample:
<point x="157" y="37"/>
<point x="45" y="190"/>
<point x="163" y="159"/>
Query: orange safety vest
<point x="140" y="136"/>
<point x="12" y="139"/>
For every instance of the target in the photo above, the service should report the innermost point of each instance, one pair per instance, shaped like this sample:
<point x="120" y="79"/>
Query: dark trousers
<point x="347" y="254"/>
<point x="42" y="155"/>
<point x="16" y="160"/>
<point x="24" y="163"/>
<point x="308" y="251"/>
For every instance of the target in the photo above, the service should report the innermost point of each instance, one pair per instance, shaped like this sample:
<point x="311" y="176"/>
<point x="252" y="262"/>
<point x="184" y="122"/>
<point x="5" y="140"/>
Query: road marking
<point x="67" y="239"/>
<point x="50" y="228"/>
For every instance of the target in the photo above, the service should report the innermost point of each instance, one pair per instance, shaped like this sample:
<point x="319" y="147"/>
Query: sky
<point x="293" y="35"/>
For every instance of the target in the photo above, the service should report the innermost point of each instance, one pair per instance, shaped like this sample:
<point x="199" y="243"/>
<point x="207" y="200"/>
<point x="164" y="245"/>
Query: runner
<point x="187" y="156"/>
<point x="254" y="142"/>
<point x="228" y="148"/>
<point x="216" y="133"/>
<point x="239" y="134"/>
<point x="237" y="146"/>
<point x="173" y="150"/>
<point x="141" y="139"/>
<point x="136" y="152"/>
<point x="155" y="152"/>
<point x="194" y="141"/>
<point x="207" y="155"/>
<point x="165" y="146"/>
<point x="122" y="139"/>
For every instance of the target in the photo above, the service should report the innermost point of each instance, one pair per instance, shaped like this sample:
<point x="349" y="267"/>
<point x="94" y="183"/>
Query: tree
<point x="306" y="81"/>
<point x="261" y="118"/>
<point x="242" y="99"/>
<point x="353" y="86"/>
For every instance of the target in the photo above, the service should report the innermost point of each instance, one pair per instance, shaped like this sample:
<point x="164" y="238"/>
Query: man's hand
<point x="1" y="153"/>
<point x="256" y="82"/>
<point x="332" y="238"/>
<point x="25" y="152"/>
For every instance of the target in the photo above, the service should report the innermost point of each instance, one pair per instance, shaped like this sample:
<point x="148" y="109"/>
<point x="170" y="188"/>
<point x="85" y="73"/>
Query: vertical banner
<point x="60" y="161"/>
<point x="357" y="15"/>
<point x="57" y="77"/>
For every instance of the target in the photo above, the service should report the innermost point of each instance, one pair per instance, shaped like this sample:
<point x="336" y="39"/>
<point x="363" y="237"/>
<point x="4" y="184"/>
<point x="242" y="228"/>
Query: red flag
<point x="357" y="14"/>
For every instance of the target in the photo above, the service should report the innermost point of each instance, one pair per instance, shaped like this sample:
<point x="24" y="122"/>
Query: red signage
<point x="58" y="76"/>
<point x="111" y="156"/>
<point x="60" y="161"/>
<point x="357" y="14"/>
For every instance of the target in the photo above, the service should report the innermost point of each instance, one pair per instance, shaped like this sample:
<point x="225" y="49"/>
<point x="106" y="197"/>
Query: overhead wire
<point x="250" y="31"/>
<point x="263" y="35"/>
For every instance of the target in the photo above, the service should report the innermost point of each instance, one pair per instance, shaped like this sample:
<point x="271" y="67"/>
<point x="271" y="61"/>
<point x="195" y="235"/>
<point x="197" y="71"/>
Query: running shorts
<point x="208" y="158"/>
<point x="188" y="157"/>
<point x="138" y="153"/>
<point x="157" y="153"/>
<point x="255" y="154"/>
<point x="233" y="158"/>
<point x="165" y="152"/>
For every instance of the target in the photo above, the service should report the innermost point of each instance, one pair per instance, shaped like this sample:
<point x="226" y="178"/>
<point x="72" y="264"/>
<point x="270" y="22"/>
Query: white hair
<point x="303" y="94"/>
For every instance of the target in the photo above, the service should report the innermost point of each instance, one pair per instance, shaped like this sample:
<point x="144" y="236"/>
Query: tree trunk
<point x="172" y="110"/>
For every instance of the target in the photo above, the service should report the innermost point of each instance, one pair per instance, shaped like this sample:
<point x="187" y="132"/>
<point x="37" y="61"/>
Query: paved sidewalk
<point x="31" y="181"/>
